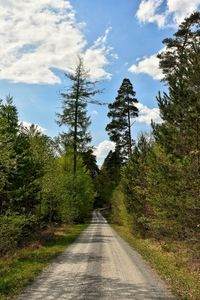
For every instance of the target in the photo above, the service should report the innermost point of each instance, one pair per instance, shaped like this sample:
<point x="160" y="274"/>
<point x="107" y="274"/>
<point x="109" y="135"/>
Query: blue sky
<point x="40" y="40"/>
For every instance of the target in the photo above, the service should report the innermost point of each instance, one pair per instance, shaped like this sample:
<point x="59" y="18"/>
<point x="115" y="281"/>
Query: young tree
<point x="74" y="113"/>
<point x="122" y="111"/>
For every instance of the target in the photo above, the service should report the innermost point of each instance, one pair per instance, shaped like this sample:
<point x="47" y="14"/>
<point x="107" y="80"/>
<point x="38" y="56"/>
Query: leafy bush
<point x="12" y="229"/>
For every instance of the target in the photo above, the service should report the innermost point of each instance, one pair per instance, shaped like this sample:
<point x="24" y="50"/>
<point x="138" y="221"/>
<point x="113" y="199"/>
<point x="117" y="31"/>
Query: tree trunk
<point x="198" y="149"/>
<point x="129" y="133"/>
<point x="76" y="122"/>
<point x="75" y="137"/>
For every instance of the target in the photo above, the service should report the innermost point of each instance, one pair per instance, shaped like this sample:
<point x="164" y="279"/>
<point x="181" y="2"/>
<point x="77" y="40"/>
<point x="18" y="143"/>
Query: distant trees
<point x="74" y="114"/>
<point x="122" y="112"/>
<point x="108" y="178"/>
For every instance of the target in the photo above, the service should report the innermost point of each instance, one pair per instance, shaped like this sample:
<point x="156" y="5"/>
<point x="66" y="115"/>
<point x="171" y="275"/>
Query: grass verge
<point x="173" y="260"/>
<point x="21" y="268"/>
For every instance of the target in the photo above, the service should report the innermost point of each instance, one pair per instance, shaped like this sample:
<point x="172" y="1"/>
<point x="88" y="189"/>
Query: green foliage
<point x="159" y="192"/>
<point x="108" y="178"/>
<point x="8" y="158"/>
<point x="79" y="190"/>
<point x="65" y="197"/>
<point x="161" y="180"/>
<point x="89" y="160"/>
<point x="135" y="185"/>
<point x="180" y="107"/>
<point x="37" y="184"/>
<point x="120" y="215"/>
<point x="12" y="229"/>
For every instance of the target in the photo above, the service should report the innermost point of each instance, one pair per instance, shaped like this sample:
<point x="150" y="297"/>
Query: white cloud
<point x="146" y="114"/>
<point x="148" y="65"/>
<point x="102" y="150"/>
<point x="95" y="58"/>
<point x="165" y="12"/>
<point x="28" y="125"/>
<point x="147" y="12"/>
<point x="182" y="8"/>
<point x="38" y="36"/>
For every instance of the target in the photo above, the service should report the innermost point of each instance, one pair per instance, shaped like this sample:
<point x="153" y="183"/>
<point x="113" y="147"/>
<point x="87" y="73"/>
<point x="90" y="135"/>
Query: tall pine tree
<point x="122" y="112"/>
<point x="74" y="113"/>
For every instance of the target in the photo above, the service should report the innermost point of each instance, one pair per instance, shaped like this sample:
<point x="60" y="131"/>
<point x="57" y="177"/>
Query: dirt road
<point x="99" y="265"/>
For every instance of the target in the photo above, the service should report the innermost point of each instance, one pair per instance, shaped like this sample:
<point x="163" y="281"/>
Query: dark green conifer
<point x="122" y="112"/>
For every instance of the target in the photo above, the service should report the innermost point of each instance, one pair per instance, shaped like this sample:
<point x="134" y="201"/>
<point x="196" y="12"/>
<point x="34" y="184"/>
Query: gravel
<point x="98" y="265"/>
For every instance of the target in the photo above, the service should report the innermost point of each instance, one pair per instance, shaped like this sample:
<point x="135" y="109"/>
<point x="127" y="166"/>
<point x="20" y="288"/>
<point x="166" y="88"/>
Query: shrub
<point x="12" y="229"/>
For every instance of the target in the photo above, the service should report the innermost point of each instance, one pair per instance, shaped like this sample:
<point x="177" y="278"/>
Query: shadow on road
<point x="96" y="287"/>
<point x="76" y="258"/>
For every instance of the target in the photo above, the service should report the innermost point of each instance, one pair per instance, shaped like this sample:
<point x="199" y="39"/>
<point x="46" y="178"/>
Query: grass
<point x="22" y="267"/>
<point x="177" y="262"/>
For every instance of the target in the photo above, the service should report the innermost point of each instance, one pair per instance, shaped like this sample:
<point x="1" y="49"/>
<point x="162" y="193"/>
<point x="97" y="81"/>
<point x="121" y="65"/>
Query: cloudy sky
<point x="40" y="40"/>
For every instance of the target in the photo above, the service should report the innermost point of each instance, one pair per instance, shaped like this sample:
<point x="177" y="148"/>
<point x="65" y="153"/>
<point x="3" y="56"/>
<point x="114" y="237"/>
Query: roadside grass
<point x="177" y="262"/>
<point x="21" y="268"/>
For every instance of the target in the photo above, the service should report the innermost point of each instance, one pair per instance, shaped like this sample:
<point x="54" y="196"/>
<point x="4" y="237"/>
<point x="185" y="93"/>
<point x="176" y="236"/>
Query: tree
<point x="74" y="113"/>
<point x="108" y="178"/>
<point x="78" y="194"/>
<point x="180" y="107"/>
<point x="179" y="135"/>
<point x="89" y="160"/>
<point x="8" y="159"/>
<point x="122" y="111"/>
<point x="134" y="184"/>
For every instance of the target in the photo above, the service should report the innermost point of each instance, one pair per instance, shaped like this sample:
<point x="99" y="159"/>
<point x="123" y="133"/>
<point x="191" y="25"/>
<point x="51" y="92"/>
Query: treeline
<point x="44" y="180"/>
<point x="156" y="188"/>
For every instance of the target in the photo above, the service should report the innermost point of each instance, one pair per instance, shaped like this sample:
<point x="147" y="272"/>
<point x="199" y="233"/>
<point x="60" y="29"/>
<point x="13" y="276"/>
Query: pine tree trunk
<point x="76" y="124"/>
<point x="129" y="133"/>
<point x="75" y="137"/>
<point x="198" y="149"/>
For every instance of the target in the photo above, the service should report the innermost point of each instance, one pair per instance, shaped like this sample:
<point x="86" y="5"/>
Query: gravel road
<point x="98" y="265"/>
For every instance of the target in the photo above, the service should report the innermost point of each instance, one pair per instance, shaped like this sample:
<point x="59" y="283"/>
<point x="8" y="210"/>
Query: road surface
<point x="98" y="265"/>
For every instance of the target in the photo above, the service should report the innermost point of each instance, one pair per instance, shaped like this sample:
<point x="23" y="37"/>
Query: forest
<point x="153" y="184"/>
<point x="155" y="180"/>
